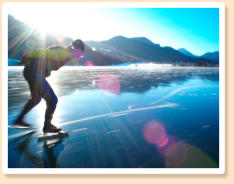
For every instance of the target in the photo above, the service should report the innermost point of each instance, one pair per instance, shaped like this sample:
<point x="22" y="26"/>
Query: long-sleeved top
<point x="43" y="61"/>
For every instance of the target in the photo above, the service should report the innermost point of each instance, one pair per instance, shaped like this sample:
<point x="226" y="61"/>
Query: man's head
<point x="78" y="45"/>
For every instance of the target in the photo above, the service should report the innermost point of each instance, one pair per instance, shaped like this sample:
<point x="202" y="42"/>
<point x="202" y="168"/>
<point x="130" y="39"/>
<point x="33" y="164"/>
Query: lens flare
<point x="78" y="53"/>
<point x="60" y="38"/>
<point x="154" y="132"/>
<point x="30" y="44"/>
<point x="164" y="142"/>
<point x="108" y="83"/>
<point x="89" y="63"/>
<point x="175" y="151"/>
<point x="176" y="154"/>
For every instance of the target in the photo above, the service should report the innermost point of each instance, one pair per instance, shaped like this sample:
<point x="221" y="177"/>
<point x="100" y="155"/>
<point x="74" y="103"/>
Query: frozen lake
<point x="121" y="118"/>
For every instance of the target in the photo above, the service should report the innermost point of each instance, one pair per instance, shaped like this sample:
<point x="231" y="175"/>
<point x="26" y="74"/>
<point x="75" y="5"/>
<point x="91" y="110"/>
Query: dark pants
<point x="39" y="88"/>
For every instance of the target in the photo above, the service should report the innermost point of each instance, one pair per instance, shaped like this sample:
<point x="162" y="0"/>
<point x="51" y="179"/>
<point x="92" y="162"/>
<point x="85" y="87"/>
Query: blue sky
<point x="195" y="29"/>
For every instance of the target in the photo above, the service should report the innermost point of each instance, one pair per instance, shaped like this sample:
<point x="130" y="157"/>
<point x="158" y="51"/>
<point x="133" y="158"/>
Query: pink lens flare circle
<point x="89" y="63"/>
<point x="108" y="83"/>
<point x="77" y="53"/>
<point x="164" y="147"/>
<point x="155" y="133"/>
<point x="164" y="142"/>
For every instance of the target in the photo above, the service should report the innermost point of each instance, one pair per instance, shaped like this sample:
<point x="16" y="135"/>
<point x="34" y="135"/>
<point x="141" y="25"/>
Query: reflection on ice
<point x="169" y="105"/>
<point x="115" y="80"/>
<point x="149" y="66"/>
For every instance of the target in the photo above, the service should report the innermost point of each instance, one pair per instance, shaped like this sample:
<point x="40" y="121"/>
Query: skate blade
<point x="48" y="135"/>
<point x="20" y="127"/>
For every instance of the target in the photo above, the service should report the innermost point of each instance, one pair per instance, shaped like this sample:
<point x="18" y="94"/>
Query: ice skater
<point x="37" y="66"/>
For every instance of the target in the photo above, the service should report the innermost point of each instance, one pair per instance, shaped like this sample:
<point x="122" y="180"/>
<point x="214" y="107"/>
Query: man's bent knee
<point x="35" y="101"/>
<point x="55" y="100"/>
<point x="51" y="100"/>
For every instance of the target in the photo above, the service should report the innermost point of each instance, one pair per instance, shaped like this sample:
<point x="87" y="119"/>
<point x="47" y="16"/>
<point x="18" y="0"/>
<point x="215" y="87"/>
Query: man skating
<point x="38" y="65"/>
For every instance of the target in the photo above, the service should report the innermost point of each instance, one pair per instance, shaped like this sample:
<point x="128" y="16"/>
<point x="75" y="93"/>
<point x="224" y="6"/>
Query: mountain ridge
<point x="186" y="52"/>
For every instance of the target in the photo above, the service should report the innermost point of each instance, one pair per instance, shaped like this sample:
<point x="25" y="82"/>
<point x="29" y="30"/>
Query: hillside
<point x="212" y="56"/>
<point x="186" y="52"/>
<point x="141" y="49"/>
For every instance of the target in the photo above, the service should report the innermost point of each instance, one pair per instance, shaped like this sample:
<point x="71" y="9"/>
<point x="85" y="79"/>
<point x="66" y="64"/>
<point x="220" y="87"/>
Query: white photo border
<point x="220" y="170"/>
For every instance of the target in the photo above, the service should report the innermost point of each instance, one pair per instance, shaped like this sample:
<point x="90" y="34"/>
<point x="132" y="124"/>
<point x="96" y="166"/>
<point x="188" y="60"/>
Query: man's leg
<point x="35" y="88"/>
<point x="51" y="102"/>
<point x="30" y="104"/>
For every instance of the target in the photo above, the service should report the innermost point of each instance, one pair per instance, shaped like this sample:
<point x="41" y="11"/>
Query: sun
<point x="44" y="19"/>
<point x="71" y="20"/>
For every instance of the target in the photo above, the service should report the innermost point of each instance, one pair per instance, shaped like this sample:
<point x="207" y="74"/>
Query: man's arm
<point x="57" y="56"/>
